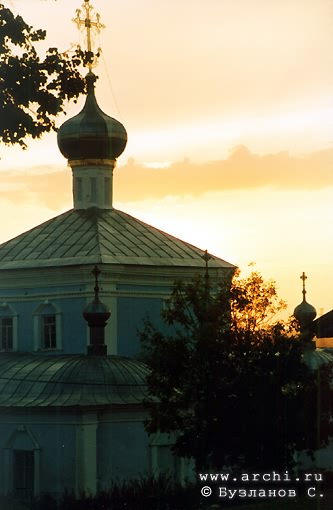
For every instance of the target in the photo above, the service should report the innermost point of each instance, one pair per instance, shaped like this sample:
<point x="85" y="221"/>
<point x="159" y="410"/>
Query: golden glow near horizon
<point x="191" y="81"/>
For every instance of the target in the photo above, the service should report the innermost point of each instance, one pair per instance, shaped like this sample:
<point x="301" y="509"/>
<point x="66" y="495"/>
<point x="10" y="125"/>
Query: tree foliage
<point x="33" y="91"/>
<point x="255" y="304"/>
<point x="231" y="386"/>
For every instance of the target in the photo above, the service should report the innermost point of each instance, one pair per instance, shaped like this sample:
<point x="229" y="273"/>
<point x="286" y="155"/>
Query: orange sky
<point x="233" y="98"/>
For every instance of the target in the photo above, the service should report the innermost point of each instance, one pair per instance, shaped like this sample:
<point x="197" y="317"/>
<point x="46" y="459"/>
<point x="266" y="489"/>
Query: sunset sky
<point x="229" y="113"/>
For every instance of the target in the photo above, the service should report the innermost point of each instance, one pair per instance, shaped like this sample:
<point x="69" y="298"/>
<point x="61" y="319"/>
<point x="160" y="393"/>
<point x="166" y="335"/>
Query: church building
<point x="317" y="354"/>
<point x="74" y="292"/>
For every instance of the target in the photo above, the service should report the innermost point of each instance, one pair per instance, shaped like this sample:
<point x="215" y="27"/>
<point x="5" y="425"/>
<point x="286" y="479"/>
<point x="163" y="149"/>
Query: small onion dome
<point x="96" y="314"/>
<point x="91" y="134"/>
<point x="304" y="314"/>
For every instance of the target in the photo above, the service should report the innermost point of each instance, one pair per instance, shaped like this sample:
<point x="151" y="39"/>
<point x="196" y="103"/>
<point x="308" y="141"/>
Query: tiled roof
<point x="96" y="236"/>
<point x="28" y="380"/>
<point x="323" y="326"/>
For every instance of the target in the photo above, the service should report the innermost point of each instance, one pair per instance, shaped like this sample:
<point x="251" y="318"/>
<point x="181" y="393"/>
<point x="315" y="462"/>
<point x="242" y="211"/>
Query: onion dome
<point x="96" y="314"/>
<point x="305" y="313"/>
<point x="91" y="134"/>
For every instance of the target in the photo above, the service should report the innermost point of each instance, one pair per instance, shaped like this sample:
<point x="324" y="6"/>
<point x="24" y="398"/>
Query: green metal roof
<point x="28" y="380"/>
<point x="95" y="236"/>
<point x="317" y="357"/>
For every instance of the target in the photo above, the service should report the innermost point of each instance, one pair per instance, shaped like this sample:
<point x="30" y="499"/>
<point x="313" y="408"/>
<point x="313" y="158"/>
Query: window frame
<point x="7" y="312"/>
<point x="47" y="310"/>
<point x="49" y="331"/>
<point x="6" y="334"/>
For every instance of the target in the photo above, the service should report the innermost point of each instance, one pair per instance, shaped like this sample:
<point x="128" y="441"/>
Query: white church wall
<point x="50" y="437"/>
<point x="123" y="449"/>
<point x="62" y="442"/>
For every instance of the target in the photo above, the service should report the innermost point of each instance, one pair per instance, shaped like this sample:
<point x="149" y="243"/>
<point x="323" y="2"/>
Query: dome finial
<point x="91" y="141"/>
<point x="89" y="22"/>
<point x="207" y="257"/>
<point x="97" y="314"/>
<point x="96" y="272"/>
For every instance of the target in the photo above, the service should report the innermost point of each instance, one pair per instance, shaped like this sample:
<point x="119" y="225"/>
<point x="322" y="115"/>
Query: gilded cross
<point x="89" y="23"/>
<point x="303" y="277"/>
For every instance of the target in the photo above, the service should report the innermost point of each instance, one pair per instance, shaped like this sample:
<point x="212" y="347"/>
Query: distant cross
<point x="303" y="277"/>
<point x="206" y="258"/>
<point x="89" y="23"/>
<point x="96" y="272"/>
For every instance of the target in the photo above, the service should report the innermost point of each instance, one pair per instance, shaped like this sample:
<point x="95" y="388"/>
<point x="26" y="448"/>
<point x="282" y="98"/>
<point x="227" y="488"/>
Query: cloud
<point x="241" y="170"/>
<point x="48" y="187"/>
<point x="51" y="187"/>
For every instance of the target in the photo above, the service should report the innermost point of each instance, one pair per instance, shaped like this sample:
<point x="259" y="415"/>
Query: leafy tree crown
<point x="33" y="90"/>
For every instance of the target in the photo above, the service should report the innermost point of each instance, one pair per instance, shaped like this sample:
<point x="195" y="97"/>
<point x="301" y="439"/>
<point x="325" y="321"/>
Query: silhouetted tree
<point x="33" y="91"/>
<point x="232" y="387"/>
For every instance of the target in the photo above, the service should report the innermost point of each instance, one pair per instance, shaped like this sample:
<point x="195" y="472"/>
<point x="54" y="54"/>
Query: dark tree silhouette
<point x="232" y="388"/>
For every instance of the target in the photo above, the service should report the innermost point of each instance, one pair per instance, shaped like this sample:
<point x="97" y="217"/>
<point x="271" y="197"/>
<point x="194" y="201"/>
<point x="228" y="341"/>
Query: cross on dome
<point x="89" y="23"/>
<point x="305" y="314"/>
<point x="303" y="277"/>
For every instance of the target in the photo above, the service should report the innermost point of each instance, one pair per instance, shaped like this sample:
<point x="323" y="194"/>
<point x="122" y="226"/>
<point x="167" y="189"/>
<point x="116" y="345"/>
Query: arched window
<point x="47" y="327"/>
<point x="8" y="328"/>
